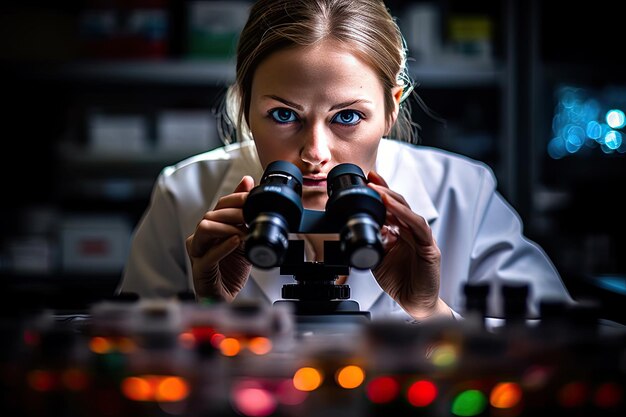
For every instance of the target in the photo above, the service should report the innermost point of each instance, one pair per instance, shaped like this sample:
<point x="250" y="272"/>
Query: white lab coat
<point x="478" y="232"/>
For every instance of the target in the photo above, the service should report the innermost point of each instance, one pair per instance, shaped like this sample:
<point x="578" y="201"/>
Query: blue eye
<point x="283" y="115"/>
<point x="347" y="117"/>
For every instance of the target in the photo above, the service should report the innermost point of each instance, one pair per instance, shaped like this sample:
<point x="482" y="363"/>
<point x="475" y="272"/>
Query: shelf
<point x="141" y="72"/>
<point x="113" y="176"/>
<point x="78" y="157"/>
<point x="56" y="290"/>
<point x="453" y="72"/>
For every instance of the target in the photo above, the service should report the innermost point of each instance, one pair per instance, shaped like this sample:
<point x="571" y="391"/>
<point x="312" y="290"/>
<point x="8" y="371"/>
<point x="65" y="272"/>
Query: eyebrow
<point x="348" y="104"/>
<point x="299" y="107"/>
<point x="287" y="102"/>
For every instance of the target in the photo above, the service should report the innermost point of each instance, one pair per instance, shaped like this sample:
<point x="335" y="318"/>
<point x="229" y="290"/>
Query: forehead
<point x="325" y="63"/>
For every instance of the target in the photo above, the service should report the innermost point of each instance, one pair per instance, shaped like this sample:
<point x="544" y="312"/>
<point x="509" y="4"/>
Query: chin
<point x="314" y="199"/>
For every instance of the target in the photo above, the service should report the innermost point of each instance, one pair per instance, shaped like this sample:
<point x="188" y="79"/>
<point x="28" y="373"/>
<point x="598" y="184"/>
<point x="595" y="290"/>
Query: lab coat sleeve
<point x="156" y="265"/>
<point x="501" y="254"/>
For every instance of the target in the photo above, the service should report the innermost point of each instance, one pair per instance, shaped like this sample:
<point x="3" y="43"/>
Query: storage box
<point x="214" y="27"/>
<point x="117" y="133"/>
<point x="186" y="131"/>
<point x="94" y="243"/>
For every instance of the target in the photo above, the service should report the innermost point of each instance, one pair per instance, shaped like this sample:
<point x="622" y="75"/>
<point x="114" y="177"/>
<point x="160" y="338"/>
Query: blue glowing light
<point x="615" y="118"/>
<point x="585" y="118"/>
<point x="594" y="130"/>
<point x="615" y="283"/>
<point x="556" y="148"/>
<point x="613" y="139"/>
<point x="575" y="137"/>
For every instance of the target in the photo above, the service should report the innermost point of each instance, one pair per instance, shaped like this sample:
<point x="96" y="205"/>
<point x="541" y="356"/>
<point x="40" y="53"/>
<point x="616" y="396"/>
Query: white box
<point x="117" y="134"/>
<point x="31" y="254"/>
<point x="186" y="131"/>
<point x="214" y="28"/>
<point x="94" y="243"/>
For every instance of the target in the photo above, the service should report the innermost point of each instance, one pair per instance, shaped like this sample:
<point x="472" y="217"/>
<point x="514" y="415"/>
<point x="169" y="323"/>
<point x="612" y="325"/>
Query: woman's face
<point x="317" y="107"/>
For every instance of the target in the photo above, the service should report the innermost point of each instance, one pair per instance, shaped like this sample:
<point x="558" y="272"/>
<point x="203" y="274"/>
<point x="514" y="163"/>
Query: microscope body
<point x="354" y="211"/>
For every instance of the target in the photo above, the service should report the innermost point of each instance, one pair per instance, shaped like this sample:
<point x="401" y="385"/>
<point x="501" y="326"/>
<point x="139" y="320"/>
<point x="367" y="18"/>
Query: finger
<point x="232" y="216"/>
<point x="238" y="197"/>
<point x="375" y="178"/>
<point x="391" y="221"/>
<point x="217" y="252"/>
<point x="390" y="218"/>
<point x="410" y="220"/>
<point x="234" y="200"/>
<point x="208" y="234"/>
<point x="389" y="235"/>
<point x="378" y="184"/>
<point x="245" y="185"/>
<point x="380" y="189"/>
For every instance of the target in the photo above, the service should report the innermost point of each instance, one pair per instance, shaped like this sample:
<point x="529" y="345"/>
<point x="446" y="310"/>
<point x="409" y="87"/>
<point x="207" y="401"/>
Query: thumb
<point x="375" y="178"/>
<point x="246" y="184"/>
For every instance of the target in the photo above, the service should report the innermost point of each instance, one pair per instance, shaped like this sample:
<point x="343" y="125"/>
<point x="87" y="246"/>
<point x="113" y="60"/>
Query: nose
<point x="316" y="150"/>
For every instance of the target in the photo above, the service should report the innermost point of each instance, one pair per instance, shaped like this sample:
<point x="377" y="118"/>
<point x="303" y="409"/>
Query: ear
<point x="396" y="92"/>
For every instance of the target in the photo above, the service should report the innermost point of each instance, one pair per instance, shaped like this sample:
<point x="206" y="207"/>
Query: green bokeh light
<point x="469" y="403"/>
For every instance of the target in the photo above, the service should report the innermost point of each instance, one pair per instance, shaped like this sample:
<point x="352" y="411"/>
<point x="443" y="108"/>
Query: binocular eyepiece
<point x="274" y="208"/>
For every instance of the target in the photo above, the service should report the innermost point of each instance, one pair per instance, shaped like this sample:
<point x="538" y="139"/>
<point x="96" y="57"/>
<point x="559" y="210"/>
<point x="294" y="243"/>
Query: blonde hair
<point x="366" y="25"/>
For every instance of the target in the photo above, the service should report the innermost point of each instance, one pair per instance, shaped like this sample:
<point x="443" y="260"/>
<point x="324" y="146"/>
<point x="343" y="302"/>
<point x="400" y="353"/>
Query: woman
<point x="319" y="83"/>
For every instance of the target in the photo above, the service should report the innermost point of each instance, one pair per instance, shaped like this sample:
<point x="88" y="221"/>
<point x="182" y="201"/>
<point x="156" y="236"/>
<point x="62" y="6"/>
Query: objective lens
<point x="272" y="209"/>
<point x="361" y="242"/>
<point x="359" y="213"/>
<point x="267" y="240"/>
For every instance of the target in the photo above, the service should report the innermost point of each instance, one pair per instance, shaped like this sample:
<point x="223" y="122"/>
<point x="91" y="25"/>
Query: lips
<point x="314" y="182"/>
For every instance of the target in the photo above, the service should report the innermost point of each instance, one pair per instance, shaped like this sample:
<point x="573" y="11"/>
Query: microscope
<point x="354" y="211"/>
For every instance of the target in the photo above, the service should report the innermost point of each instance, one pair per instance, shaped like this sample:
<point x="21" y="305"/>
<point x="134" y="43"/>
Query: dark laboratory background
<point x="99" y="95"/>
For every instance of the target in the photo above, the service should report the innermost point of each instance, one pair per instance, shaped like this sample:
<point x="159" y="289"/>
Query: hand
<point x="410" y="271"/>
<point x="219" y="266"/>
